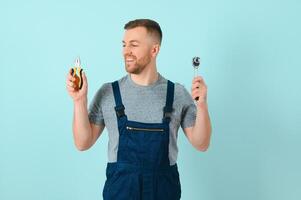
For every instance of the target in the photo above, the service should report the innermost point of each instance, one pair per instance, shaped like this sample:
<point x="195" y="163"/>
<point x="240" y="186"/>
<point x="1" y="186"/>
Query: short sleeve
<point x="188" y="115"/>
<point x="95" y="113"/>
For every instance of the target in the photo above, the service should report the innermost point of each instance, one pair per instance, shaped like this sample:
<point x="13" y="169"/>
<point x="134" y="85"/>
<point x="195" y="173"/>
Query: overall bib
<point x="142" y="170"/>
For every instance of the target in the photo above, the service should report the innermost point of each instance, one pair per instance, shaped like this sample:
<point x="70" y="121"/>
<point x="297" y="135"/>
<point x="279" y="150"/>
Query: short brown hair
<point x="151" y="26"/>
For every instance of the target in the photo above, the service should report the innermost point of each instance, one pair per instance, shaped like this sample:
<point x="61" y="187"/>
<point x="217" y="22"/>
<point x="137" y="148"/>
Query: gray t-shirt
<point x="142" y="104"/>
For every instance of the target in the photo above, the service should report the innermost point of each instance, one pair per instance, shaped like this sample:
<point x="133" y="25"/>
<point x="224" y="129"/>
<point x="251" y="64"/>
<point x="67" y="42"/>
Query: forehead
<point x="138" y="33"/>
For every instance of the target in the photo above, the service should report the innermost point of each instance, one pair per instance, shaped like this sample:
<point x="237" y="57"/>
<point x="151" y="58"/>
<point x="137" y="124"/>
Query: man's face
<point x="137" y="45"/>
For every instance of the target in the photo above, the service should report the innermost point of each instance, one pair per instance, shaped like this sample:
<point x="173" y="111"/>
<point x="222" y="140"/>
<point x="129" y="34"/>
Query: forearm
<point x="81" y="126"/>
<point x="202" y="129"/>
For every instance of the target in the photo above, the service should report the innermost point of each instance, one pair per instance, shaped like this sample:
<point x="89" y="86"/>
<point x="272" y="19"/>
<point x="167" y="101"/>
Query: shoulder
<point x="181" y="94"/>
<point x="180" y="88"/>
<point x="107" y="87"/>
<point x="104" y="89"/>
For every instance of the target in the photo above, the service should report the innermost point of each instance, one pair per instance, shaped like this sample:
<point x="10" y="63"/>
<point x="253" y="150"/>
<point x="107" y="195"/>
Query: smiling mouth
<point x="129" y="60"/>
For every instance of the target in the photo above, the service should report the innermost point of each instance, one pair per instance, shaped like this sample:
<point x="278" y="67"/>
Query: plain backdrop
<point x="250" y="53"/>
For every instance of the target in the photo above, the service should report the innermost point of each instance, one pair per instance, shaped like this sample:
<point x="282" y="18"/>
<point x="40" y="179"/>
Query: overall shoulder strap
<point x="169" y="101"/>
<point x="119" y="107"/>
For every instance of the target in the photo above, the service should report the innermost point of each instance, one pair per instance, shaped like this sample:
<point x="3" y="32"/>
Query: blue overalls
<point x="142" y="170"/>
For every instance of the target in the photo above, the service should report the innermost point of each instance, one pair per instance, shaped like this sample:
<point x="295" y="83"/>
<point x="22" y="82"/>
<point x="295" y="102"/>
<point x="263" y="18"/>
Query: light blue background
<point x="250" y="54"/>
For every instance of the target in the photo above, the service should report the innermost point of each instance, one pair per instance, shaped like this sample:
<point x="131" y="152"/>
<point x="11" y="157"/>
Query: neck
<point x="147" y="77"/>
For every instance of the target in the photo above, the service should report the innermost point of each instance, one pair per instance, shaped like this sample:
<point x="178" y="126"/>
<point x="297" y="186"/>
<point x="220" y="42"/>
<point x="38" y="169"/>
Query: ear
<point x="155" y="50"/>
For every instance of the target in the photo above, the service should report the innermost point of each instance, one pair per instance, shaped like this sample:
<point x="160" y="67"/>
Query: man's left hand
<point x="199" y="89"/>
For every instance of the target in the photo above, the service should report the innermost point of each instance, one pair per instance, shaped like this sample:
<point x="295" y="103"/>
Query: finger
<point x="201" y="81"/>
<point x="201" y="89"/>
<point x="197" y="79"/>
<point x="71" y="71"/>
<point x="197" y="94"/>
<point x="194" y="94"/>
<point x="199" y="86"/>
<point x="194" y="90"/>
<point x="70" y="89"/>
<point x="70" y="77"/>
<point x="70" y="82"/>
<point x="84" y="77"/>
<point x="196" y="85"/>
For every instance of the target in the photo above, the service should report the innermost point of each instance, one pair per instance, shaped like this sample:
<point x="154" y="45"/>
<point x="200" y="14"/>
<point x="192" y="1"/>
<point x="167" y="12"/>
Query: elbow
<point x="204" y="145"/>
<point x="202" y="148"/>
<point x="82" y="147"/>
<point x="83" y="143"/>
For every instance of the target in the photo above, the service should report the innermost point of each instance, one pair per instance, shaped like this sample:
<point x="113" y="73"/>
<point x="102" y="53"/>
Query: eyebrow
<point x="131" y="41"/>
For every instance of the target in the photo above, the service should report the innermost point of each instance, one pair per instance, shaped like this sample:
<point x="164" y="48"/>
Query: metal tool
<point x="77" y="74"/>
<point x="196" y="64"/>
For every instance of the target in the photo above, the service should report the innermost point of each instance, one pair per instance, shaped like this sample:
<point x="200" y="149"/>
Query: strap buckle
<point x="167" y="113"/>
<point x="119" y="111"/>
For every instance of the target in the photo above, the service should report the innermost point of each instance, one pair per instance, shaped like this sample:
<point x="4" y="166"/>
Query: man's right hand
<point x="80" y="94"/>
<point x="85" y="134"/>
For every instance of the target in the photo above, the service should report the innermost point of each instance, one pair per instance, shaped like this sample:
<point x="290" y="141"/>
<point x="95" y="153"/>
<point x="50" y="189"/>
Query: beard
<point x="137" y="66"/>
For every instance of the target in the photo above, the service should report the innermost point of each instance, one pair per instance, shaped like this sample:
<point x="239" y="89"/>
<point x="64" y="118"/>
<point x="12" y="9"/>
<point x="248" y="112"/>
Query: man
<point x="142" y="112"/>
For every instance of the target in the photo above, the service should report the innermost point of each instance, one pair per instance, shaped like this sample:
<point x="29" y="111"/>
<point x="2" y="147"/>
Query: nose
<point x="126" y="51"/>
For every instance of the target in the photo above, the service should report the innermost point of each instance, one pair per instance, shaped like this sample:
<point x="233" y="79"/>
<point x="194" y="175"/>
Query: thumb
<point x="71" y="71"/>
<point x="85" y="82"/>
